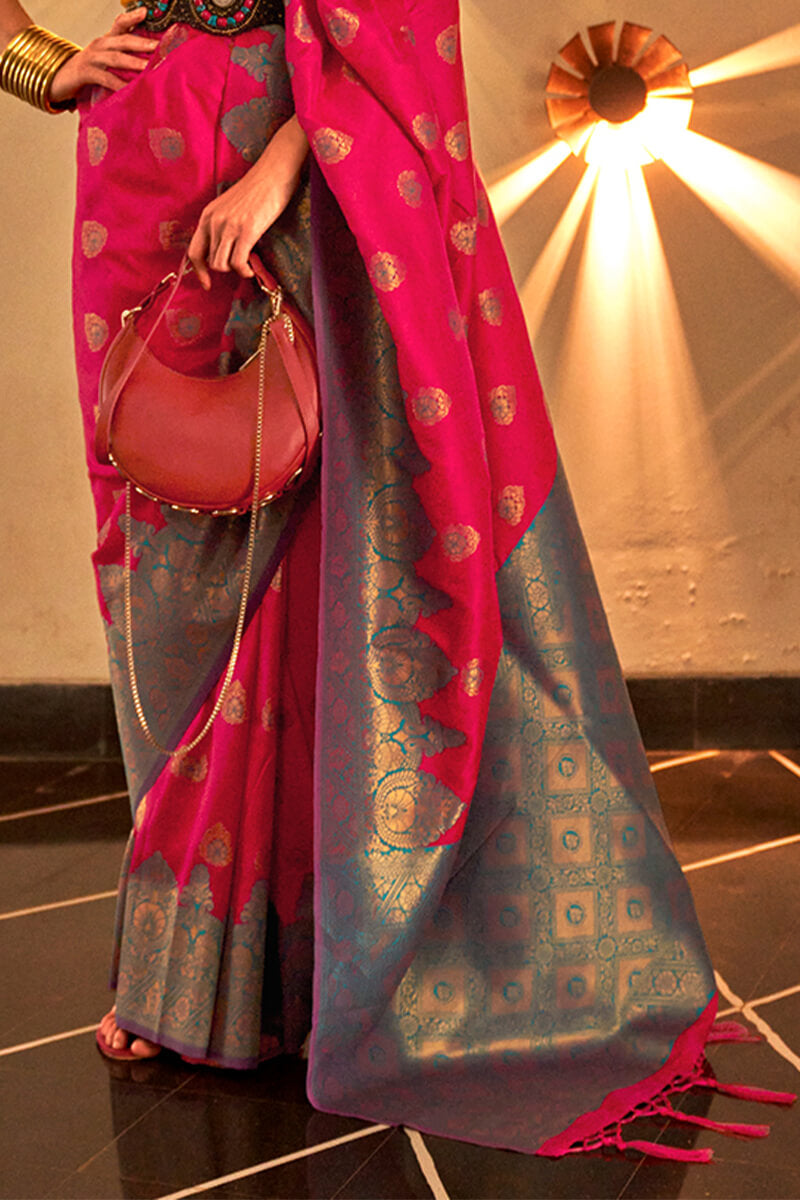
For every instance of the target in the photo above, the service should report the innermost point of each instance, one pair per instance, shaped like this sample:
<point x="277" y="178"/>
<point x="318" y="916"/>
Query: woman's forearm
<point x="13" y="19"/>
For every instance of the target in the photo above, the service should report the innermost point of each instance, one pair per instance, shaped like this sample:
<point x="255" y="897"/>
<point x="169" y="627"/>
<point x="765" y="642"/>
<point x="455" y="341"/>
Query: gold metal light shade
<point x="614" y="82"/>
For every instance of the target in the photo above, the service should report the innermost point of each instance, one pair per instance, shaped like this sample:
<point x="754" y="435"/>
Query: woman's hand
<point x="230" y="226"/>
<point x="98" y="63"/>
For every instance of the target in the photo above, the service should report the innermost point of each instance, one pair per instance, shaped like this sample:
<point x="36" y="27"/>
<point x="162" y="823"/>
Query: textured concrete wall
<point x="676" y="410"/>
<point x="49" y="627"/>
<point x="670" y="362"/>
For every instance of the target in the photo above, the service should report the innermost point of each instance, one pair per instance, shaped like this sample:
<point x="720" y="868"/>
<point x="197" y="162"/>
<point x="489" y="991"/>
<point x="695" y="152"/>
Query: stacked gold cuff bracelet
<point x="30" y="63"/>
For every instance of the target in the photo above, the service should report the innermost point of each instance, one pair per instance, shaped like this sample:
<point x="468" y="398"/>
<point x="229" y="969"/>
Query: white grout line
<point x="785" y="762"/>
<point x="27" y="912"/>
<point x="275" y="1162"/>
<point x="684" y="759"/>
<point x="784" y="995"/>
<point x="51" y="808"/>
<point x="745" y="853"/>
<point x="427" y="1165"/>
<point x="792" y="991"/>
<point x="749" y="1013"/>
<point x="46" y="1041"/>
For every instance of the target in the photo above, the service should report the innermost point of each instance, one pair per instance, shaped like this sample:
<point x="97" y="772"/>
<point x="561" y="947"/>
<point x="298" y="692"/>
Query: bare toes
<point x="144" y="1049"/>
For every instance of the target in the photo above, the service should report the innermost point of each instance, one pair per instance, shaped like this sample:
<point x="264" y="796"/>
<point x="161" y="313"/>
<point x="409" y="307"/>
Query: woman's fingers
<point x="130" y="18"/>
<point x="239" y="259"/>
<point x="134" y="42"/>
<point x="117" y="60"/>
<point x="198" y="254"/>
<point x="98" y="63"/>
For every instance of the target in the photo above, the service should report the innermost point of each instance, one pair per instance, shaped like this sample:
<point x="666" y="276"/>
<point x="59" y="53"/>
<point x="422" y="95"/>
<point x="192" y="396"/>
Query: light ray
<point x="636" y="439"/>
<point x="759" y="202"/>
<point x="510" y="192"/>
<point x="537" y="291"/>
<point x="770" y="54"/>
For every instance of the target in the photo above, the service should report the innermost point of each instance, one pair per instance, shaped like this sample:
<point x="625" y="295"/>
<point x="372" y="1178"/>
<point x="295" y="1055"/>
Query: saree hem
<point x="190" y="1053"/>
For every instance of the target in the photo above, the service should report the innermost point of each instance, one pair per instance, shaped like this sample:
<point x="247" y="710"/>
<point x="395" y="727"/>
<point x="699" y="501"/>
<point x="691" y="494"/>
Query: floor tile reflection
<point x="78" y="1128"/>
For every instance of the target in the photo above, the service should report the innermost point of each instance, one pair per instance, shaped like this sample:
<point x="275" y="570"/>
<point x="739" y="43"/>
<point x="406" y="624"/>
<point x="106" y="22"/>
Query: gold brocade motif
<point x="490" y="303"/>
<point x="193" y="768"/>
<point x="343" y="26"/>
<point x="426" y="130"/>
<point x="456" y="142"/>
<point x="447" y="44"/>
<point x="408" y="809"/>
<point x="331" y="145"/>
<point x="96" y="330"/>
<point x="386" y="271"/>
<point x="410" y="188"/>
<point x="93" y="238"/>
<point x="234" y="710"/>
<point x="189" y="980"/>
<point x="97" y="145"/>
<point x="460" y="542"/>
<point x="464" y="236"/>
<point x="472" y="677"/>
<point x="503" y="404"/>
<point x="350" y="75"/>
<point x="166" y="144"/>
<point x="511" y="504"/>
<point x="431" y="405"/>
<point x="216" y="847"/>
<point x="268" y="716"/>
<point x="302" y="29"/>
<point x="411" y="808"/>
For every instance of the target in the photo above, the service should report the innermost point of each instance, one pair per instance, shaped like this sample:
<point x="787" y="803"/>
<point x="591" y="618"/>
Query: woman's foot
<point x="118" y="1043"/>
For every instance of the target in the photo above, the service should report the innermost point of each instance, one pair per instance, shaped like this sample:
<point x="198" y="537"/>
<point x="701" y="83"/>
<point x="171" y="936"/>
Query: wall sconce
<point x="626" y="107"/>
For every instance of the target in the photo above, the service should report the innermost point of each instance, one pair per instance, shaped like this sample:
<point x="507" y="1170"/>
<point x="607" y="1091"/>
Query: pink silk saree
<point x="504" y="947"/>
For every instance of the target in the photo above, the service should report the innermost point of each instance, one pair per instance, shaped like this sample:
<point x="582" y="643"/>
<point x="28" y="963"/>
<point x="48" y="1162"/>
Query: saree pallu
<point x="504" y="948"/>
<point x="214" y="934"/>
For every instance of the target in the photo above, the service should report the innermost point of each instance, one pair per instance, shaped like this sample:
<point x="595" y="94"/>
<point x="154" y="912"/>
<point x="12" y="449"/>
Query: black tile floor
<point x="72" y="1125"/>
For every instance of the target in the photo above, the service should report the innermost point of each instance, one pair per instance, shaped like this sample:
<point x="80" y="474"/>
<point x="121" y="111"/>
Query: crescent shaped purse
<point x="189" y="441"/>
<point x="220" y="446"/>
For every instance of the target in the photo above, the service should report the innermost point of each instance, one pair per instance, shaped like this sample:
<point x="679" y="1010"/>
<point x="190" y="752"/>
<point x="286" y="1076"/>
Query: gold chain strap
<point x="276" y="298"/>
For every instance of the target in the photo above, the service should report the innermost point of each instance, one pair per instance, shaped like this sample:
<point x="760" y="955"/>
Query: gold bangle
<point x="30" y="63"/>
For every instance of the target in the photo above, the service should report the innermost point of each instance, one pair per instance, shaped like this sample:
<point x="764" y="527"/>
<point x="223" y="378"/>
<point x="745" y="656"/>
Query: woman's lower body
<point x="213" y="948"/>
<point x="533" y="974"/>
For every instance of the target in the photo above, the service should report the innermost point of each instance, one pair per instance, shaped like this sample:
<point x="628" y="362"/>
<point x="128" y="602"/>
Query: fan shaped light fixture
<point x="623" y="103"/>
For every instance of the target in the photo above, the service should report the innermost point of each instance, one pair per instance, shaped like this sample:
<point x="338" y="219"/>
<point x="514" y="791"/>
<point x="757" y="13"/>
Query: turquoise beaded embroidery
<point x="215" y="16"/>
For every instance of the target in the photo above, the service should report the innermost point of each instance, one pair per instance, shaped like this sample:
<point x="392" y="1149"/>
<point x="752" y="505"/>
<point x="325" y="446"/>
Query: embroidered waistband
<point x="214" y="16"/>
